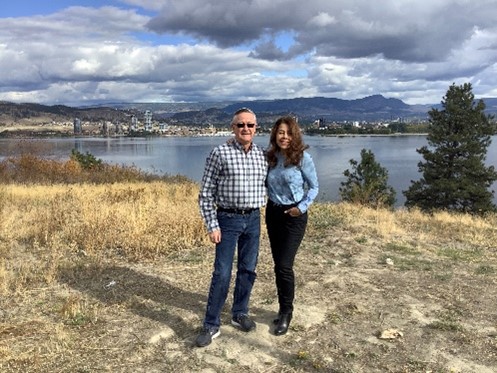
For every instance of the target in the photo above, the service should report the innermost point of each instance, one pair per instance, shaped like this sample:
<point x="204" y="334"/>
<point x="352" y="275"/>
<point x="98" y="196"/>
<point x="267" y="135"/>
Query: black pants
<point x="285" y="235"/>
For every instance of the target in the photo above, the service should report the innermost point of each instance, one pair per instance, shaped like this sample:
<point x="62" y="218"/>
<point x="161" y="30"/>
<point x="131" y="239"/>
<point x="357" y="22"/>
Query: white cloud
<point x="231" y="50"/>
<point x="322" y="20"/>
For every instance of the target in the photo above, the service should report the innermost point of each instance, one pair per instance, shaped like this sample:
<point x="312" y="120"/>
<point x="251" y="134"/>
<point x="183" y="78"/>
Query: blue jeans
<point x="243" y="232"/>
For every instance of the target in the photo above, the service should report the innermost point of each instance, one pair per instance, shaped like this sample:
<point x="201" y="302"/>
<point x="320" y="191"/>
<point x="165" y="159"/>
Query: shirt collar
<point x="237" y="145"/>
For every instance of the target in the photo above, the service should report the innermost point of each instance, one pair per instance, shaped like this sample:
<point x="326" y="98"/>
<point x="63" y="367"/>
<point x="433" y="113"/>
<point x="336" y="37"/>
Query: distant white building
<point x="134" y="124"/>
<point x="224" y="133"/>
<point x="148" y="120"/>
<point x="163" y="127"/>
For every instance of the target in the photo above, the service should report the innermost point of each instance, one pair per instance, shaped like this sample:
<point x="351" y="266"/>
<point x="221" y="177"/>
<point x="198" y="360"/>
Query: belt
<point x="237" y="211"/>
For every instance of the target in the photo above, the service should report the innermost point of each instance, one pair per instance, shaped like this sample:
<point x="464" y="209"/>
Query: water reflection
<point x="186" y="155"/>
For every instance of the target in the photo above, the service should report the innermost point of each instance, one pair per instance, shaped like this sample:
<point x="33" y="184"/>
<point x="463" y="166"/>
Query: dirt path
<point x="438" y="315"/>
<point x="361" y="306"/>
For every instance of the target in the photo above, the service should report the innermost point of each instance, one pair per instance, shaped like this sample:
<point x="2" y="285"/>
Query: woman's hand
<point x="294" y="212"/>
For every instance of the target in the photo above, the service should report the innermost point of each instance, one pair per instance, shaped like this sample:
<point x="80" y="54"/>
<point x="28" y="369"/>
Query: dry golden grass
<point x="60" y="243"/>
<point x="135" y="220"/>
<point x="387" y="225"/>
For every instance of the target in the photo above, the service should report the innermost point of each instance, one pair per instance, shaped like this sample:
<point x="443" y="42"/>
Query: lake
<point x="186" y="155"/>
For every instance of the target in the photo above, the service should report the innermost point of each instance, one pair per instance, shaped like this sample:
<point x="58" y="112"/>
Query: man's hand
<point x="215" y="236"/>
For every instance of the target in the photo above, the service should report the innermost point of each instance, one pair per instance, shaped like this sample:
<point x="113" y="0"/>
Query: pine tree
<point x="455" y="177"/>
<point x="367" y="184"/>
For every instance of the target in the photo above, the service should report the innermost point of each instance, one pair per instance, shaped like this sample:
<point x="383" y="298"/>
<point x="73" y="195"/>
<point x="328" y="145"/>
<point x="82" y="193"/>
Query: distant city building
<point x="77" y="126"/>
<point x="148" y="120"/>
<point x="105" y="129"/>
<point x="134" y="124"/>
<point x="163" y="127"/>
<point x="119" y="128"/>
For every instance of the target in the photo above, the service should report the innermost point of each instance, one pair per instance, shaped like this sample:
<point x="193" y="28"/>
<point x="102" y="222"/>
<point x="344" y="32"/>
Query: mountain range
<point x="372" y="108"/>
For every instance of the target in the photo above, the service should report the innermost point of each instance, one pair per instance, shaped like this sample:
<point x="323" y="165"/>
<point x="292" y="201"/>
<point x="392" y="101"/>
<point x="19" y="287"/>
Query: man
<point x="231" y="194"/>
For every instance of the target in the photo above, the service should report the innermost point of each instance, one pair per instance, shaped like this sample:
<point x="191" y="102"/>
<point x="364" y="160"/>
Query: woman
<point x="292" y="187"/>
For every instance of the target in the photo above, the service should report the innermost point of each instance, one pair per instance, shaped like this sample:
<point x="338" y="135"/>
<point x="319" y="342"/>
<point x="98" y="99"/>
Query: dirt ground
<point x="361" y="306"/>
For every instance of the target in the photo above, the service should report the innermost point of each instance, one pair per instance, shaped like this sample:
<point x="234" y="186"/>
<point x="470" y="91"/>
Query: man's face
<point x="244" y="128"/>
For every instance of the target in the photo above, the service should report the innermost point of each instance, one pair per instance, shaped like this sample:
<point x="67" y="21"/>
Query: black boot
<point x="283" y="323"/>
<point x="277" y="319"/>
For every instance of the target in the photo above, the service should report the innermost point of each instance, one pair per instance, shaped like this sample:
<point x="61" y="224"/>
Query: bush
<point x="88" y="161"/>
<point x="80" y="168"/>
<point x="367" y="184"/>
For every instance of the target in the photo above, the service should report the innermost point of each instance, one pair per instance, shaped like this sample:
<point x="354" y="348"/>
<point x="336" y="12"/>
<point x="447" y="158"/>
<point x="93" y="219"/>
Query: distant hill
<point x="372" y="108"/>
<point x="369" y="108"/>
<point x="13" y="113"/>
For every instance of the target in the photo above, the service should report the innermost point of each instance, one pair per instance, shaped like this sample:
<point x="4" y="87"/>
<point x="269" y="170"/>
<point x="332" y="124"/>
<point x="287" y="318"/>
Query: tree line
<point x="349" y="129"/>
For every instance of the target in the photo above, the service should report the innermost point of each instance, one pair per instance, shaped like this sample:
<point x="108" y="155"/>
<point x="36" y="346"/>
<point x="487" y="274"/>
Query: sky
<point x="77" y="52"/>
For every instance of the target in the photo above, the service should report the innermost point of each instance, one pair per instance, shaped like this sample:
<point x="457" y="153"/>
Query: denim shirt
<point x="293" y="185"/>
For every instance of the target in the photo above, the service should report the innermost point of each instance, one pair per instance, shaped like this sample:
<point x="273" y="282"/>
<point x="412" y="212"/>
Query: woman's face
<point x="283" y="137"/>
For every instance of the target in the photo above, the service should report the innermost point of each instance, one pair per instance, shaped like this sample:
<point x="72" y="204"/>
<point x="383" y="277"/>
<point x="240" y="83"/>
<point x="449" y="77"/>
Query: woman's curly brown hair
<point x="295" y="151"/>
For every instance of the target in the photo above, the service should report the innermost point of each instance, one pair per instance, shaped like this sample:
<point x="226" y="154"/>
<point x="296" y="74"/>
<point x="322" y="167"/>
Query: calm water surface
<point x="186" y="155"/>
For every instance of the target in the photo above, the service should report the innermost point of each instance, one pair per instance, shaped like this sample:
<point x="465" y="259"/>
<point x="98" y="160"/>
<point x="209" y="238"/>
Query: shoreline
<point x="46" y="133"/>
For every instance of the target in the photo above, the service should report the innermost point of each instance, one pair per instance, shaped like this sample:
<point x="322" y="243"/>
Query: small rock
<point x="110" y="284"/>
<point x="391" y="334"/>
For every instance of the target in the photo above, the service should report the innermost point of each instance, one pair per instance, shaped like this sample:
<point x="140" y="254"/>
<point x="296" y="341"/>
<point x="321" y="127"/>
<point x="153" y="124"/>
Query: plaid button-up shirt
<point x="233" y="179"/>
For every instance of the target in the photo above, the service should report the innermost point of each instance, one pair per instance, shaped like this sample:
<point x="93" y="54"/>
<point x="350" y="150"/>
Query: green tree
<point x="397" y="127"/>
<point x="454" y="173"/>
<point x="367" y="183"/>
<point x="87" y="161"/>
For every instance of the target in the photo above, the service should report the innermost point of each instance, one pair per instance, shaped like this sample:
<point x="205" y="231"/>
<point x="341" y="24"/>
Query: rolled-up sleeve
<point x="311" y="179"/>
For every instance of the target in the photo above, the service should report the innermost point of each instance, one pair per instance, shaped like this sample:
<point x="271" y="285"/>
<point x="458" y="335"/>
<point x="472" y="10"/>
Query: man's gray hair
<point x="243" y="110"/>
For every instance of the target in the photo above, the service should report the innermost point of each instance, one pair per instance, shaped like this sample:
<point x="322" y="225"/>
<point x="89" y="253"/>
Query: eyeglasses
<point x="249" y="125"/>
